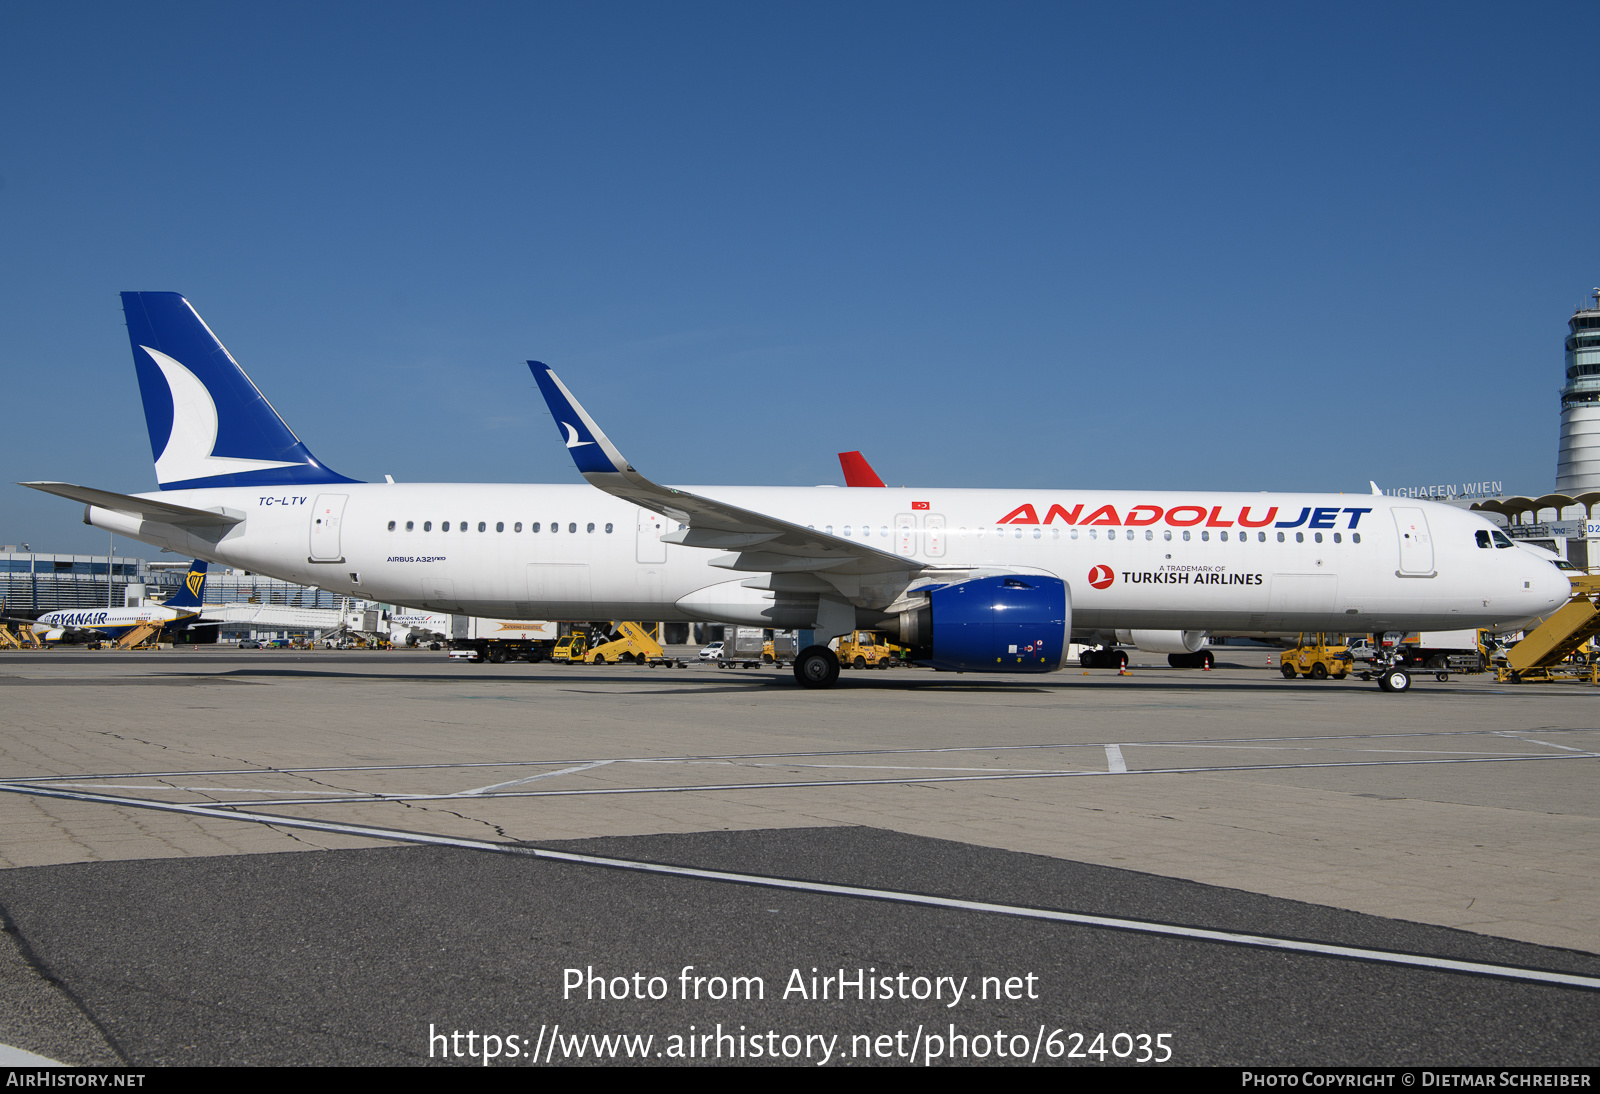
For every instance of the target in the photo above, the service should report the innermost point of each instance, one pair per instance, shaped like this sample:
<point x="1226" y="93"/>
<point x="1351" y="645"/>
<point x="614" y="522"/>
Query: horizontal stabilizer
<point x="159" y="512"/>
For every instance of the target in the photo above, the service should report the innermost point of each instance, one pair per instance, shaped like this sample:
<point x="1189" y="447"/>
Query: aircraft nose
<point x="1551" y="586"/>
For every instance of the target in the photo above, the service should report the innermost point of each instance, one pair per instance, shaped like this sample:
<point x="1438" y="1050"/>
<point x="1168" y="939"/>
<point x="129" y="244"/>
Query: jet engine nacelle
<point x="1164" y="641"/>
<point x="1006" y="623"/>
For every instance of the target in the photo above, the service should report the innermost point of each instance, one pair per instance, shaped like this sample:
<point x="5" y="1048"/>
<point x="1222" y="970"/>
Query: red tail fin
<point x="857" y="471"/>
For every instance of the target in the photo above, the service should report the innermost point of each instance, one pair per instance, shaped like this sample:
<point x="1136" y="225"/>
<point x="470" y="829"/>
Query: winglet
<point x="1374" y="486"/>
<point x="591" y="449"/>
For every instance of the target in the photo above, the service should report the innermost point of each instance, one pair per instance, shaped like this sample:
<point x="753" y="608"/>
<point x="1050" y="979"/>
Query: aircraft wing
<point x="159" y="512"/>
<point x="756" y="543"/>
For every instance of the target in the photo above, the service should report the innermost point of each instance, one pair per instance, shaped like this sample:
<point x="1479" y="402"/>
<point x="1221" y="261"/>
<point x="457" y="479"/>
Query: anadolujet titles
<point x="971" y="580"/>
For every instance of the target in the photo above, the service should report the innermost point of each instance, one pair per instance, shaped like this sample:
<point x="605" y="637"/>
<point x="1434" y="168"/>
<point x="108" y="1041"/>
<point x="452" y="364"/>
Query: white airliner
<point x="972" y="580"/>
<point x="183" y="607"/>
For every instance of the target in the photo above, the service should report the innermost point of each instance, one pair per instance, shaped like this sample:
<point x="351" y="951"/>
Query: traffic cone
<point x="1206" y="665"/>
<point x="1269" y="660"/>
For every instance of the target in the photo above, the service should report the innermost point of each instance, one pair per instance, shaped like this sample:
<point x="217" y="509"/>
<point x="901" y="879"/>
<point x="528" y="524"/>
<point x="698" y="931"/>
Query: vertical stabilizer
<point x="209" y="424"/>
<point x="192" y="595"/>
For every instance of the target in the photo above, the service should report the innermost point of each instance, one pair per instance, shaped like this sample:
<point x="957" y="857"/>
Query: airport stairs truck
<point x="1558" y="637"/>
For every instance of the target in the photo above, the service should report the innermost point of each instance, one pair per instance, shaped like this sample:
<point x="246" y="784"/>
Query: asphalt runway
<point x="240" y="857"/>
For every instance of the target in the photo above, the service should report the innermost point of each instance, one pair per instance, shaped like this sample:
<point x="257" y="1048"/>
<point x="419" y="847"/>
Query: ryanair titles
<point x="75" y="619"/>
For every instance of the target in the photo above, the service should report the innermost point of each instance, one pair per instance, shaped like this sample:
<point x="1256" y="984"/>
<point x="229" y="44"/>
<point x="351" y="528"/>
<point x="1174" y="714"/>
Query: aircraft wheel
<point x="1319" y="671"/>
<point x="1288" y="672"/>
<point x="1396" y="680"/>
<point x="816" y="667"/>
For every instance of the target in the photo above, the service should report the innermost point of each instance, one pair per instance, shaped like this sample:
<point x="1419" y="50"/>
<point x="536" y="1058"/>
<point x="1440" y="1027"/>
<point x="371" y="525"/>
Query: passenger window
<point x="1166" y="534"/>
<point x="1355" y="537"/>
<point x="1111" y="533"/>
<point x="1262" y="536"/>
<point x="1205" y="536"/>
<point x="1317" y="536"/>
<point x="572" y="527"/>
<point x="427" y="526"/>
<point x="555" y="526"/>
<point x="608" y="529"/>
<point x="391" y="526"/>
<point x="1186" y="535"/>
<point x="1336" y="538"/>
<point x="517" y="527"/>
<point x="1299" y="537"/>
<point x="482" y="526"/>
<point x="408" y="525"/>
<point x="847" y="529"/>
<point x="1223" y="536"/>
<point x="1037" y="532"/>
<point x="444" y="526"/>
<point x="591" y="527"/>
<point x="1280" y="537"/>
<point x="1074" y="533"/>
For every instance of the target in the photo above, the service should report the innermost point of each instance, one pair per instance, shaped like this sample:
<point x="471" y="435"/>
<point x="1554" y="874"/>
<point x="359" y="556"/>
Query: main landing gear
<point x="816" y="667"/>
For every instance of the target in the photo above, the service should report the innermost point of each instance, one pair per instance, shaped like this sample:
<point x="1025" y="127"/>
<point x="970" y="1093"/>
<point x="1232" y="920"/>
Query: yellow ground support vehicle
<point x="1317" y="658"/>
<point x="571" y="648"/>
<point x="633" y="645"/>
<point x="863" y="650"/>
<point x="1555" y="650"/>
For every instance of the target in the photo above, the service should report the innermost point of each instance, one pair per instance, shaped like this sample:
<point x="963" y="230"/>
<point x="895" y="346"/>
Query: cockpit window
<point x="1502" y="540"/>
<point x="1563" y="564"/>
<point x="1483" y="538"/>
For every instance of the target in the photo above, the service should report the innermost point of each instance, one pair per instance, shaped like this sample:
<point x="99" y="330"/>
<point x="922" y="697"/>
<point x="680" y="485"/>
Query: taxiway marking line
<point x="1115" y="764"/>
<point x="1222" y="742"/>
<point x="1170" y="930"/>
<point x="484" y="790"/>
<point x="361" y="799"/>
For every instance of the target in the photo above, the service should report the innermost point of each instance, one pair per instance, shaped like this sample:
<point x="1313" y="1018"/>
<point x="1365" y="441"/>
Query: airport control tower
<point x="1578" y="462"/>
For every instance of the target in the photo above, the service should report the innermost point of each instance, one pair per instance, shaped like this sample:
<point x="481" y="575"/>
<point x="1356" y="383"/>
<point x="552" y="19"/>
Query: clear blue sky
<point x="1269" y="246"/>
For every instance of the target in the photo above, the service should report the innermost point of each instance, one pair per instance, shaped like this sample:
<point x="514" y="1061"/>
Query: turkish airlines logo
<point x="919" y="505"/>
<point x="1101" y="577"/>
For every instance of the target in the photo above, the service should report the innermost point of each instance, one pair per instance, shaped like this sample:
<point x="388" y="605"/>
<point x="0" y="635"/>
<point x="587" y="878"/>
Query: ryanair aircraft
<point x="971" y="580"/>
<point x="182" y="608"/>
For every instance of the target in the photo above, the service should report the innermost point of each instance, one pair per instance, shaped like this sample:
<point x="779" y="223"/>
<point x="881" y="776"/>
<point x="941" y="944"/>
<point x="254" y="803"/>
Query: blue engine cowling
<point x="1009" y="623"/>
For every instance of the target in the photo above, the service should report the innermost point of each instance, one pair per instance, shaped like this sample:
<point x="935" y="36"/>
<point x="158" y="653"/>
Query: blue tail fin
<point x="192" y="595"/>
<point x="209" y="424"/>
